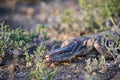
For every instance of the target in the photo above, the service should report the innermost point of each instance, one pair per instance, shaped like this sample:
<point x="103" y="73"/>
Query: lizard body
<point x="82" y="46"/>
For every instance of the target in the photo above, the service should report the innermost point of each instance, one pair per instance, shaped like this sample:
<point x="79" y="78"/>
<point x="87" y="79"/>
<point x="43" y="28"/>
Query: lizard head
<point x="65" y="53"/>
<point x="58" y="57"/>
<point x="60" y="54"/>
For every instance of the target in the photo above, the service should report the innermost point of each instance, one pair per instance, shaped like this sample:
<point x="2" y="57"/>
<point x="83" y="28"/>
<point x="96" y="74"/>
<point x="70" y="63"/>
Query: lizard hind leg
<point x="101" y="49"/>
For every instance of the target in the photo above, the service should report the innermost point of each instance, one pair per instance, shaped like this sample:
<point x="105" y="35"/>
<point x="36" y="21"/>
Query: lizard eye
<point x="60" y="53"/>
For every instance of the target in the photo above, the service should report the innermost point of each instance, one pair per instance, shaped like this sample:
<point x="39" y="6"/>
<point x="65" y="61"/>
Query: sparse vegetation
<point x="92" y="16"/>
<point x="101" y="64"/>
<point x="96" y="13"/>
<point x="98" y="16"/>
<point x="41" y="72"/>
<point x="19" y="39"/>
<point x="71" y="23"/>
<point x="10" y="39"/>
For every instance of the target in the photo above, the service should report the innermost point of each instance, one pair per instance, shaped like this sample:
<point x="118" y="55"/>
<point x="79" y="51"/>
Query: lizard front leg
<point x="83" y="49"/>
<point x="89" y="45"/>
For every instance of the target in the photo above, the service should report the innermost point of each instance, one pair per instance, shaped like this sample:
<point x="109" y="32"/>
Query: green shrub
<point x="70" y="21"/>
<point x="20" y="39"/>
<point x="95" y="13"/>
<point x="41" y="72"/>
<point x="93" y="64"/>
<point x="10" y="39"/>
<point x="17" y="38"/>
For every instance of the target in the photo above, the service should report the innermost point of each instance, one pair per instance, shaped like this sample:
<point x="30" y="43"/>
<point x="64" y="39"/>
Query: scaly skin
<point x="83" y="46"/>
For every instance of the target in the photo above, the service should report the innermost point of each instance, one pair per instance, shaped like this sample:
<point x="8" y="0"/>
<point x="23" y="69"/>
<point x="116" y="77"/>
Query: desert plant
<point x="12" y="40"/>
<point x="70" y="21"/>
<point x="93" y="64"/>
<point x="17" y="38"/>
<point x="96" y="13"/>
<point x="41" y="72"/>
<point x="40" y="29"/>
<point x="100" y="63"/>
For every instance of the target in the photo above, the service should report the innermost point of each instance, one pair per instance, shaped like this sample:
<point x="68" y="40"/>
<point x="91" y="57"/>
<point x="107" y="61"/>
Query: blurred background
<point x="62" y="19"/>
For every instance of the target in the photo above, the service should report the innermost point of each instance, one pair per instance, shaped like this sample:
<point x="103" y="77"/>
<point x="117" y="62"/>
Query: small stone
<point x="65" y="63"/>
<point x="103" y="70"/>
<point x="94" y="73"/>
<point x="28" y="64"/>
<point x="52" y="65"/>
<point x="119" y="65"/>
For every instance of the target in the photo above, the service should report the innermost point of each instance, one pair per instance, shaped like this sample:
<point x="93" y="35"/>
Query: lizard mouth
<point x="47" y="58"/>
<point x="58" y="58"/>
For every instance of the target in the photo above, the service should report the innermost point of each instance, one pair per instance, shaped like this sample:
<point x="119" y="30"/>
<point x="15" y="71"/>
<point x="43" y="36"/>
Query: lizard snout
<point x="47" y="57"/>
